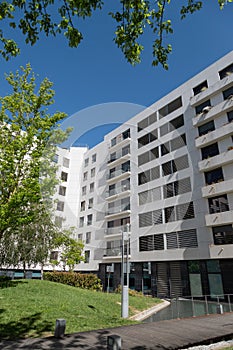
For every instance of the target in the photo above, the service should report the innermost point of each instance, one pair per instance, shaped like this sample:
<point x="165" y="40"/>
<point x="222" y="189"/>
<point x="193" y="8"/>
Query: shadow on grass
<point x="10" y="283"/>
<point x="27" y="326"/>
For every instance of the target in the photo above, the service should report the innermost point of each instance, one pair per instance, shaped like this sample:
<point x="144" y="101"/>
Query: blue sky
<point x="97" y="73"/>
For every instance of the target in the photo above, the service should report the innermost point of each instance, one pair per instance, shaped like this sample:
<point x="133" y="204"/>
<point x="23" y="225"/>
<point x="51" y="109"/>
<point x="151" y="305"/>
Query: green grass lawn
<point x="29" y="308"/>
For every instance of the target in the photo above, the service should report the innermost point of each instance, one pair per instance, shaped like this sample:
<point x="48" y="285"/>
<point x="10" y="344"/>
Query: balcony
<point x="120" y="141"/>
<point x="213" y="113"/>
<point x="214" y="135"/>
<point x="118" y="192"/>
<point x="216" y="161"/>
<point x="115" y="253"/>
<point x="119" y="157"/>
<point x="217" y="189"/>
<point x="116" y="231"/>
<point x="218" y="219"/>
<point x="118" y="175"/>
<point x="117" y="212"/>
<point x="211" y="91"/>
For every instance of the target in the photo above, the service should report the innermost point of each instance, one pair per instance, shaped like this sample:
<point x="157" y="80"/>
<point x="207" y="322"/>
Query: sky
<point x="96" y="73"/>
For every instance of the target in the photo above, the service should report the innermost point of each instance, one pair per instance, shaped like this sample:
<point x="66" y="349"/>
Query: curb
<point x="147" y="313"/>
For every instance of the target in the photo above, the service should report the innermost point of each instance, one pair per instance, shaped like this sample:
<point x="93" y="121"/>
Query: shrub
<point x="80" y="280"/>
<point x="132" y="292"/>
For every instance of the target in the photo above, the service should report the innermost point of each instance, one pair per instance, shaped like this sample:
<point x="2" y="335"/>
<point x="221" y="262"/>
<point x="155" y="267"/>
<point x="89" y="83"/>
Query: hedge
<point x="80" y="280"/>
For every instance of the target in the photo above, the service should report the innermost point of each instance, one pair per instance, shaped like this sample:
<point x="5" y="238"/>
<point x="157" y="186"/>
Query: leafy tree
<point x="28" y="139"/>
<point x="71" y="249"/>
<point x="53" y="17"/>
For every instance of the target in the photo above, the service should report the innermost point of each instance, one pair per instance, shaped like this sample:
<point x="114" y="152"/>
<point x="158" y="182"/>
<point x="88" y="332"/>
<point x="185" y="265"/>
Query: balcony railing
<point x="119" y="155"/>
<point x="118" y="209"/>
<point x="119" y="139"/>
<point x="109" y="252"/>
<point x="117" y="173"/>
<point x="117" y="190"/>
<point x="115" y="230"/>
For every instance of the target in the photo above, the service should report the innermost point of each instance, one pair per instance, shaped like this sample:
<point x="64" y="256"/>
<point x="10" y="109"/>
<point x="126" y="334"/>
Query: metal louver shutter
<point x="145" y="219"/>
<point x="187" y="239"/>
<point x="172" y="242"/>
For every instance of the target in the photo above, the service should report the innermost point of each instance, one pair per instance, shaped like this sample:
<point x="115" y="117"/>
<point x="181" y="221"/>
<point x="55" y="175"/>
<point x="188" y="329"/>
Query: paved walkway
<point x="170" y="334"/>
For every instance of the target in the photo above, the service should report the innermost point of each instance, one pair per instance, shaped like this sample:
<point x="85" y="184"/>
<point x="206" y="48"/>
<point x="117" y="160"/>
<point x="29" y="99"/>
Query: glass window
<point x="84" y="190"/>
<point x="205" y="128"/>
<point x="92" y="172"/>
<point x="80" y="236"/>
<point x="126" y="134"/>
<point x="64" y="176"/>
<point x="93" y="158"/>
<point x="214" y="176"/>
<point x="88" y="237"/>
<point x="85" y="176"/>
<point x="89" y="219"/>
<point x="90" y="203"/>
<point x="81" y="221"/>
<point x="66" y="162"/>
<point x="210" y="151"/>
<point x="228" y="93"/>
<point x="62" y="190"/>
<point x="230" y="116"/>
<point x="87" y="254"/>
<point x="223" y="234"/>
<point x="218" y="204"/>
<point x="200" y="108"/>
<point x="60" y="206"/>
<point x="92" y="187"/>
<point x="226" y="71"/>
<point x="82" y="206"/>
<point x="201" y="87"/>
<point x="86" y="162"/>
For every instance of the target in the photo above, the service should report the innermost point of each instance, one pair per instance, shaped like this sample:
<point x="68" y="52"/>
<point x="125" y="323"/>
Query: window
<point x="87" y="254"/>
<point x="84" y="190"/>
<point x="199" y="108"/>
<point x="125" y="204"/>
<point x="88" y="237"/>
<point x="147" y="121"/>
<point x="125" y="150"/>
<point x="92" y="186"/>
<point x="82" y="206"/>
<point x="226" y="71"/>
<point x="80" y="236"/>
<point x="214" y="176"/>
<point x="54" y="255"/>
<point x="182" y="239"/>
<point x="148" y="175"/>
<point x="179" y="212"/>
<point x="149" y="196"/>
<point x="201" y="87"/>
<point x="230" y="116"/>
<point x="86" y="162"/>
<point x="85" y="176"/>
<point x="125" y="185"/>
<point x="176" y="188"/>
<point x="223" y="234"/>
<point x="125" y="167"/>
<point x="150" y="218"/>
<point x="62" y="190"/>
<point x="66" y="162"/>
<point x="89" y="219"/>
<point x="64" y="176"/>
<point x="58" y="221"/>
<point x="126" y="134"/>
<point x="148" y="156"/>
<point x="92" y="172"/>
<point x="81" y="221"/>
<point x="210" y="151"/>
<point x="60" y="206"/>
<point x="55" y="158"/>
<point x="151" y="242"/>
<point x="93" y="158"/>
<point x="205" y="128"/>
<point x="228" y="93"/>
<point x="170" y="107"/>
<point x="218" y="204"/>
<point x="90" y="203"/>
<point x="150" y="137"/>
<point x="174" y="124"/>
<point x="169" y="168"/>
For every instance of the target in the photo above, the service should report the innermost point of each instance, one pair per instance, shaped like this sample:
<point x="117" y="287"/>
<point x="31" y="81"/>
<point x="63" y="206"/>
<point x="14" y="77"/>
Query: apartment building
<point x="166" y="177"/>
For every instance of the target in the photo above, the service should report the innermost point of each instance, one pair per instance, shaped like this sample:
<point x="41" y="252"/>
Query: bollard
<point x="219" y="309"/>
<point x="114" y="342"/>
<point x="60" y="328"/>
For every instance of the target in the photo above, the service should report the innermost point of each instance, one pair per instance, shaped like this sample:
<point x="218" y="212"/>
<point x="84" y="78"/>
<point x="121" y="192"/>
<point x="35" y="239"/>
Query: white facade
<point x="168" y="173"/>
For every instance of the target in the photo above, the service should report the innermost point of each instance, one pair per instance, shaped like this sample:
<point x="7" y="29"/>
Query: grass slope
<point x="29" y="308"/>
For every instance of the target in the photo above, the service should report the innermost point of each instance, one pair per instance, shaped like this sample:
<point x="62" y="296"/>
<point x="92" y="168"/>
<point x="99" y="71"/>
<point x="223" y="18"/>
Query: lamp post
<point x="125" y="287"/>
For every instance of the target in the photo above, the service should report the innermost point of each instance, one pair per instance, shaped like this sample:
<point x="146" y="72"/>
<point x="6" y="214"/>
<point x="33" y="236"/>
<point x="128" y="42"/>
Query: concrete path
<point x="170" y="334"/>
